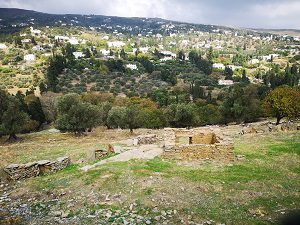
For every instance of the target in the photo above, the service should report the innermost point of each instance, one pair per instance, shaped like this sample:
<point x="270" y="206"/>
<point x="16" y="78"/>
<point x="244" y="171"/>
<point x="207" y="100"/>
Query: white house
<point x="29" y="57"/>
<point x="225" y="82"/>
<point x="37" y="48"/>
<point x="165" y="59"/>
<point x="35" y="32"/>
<point x="268" y="57"/>
<point x="168" y="54"/>
<point x="131" y="66"/>
<point x="25" y="41"/>
<point x="59" y="37"/>
<point x="105" y="37"/>
<point x="104" y="52"/>
<point x="144" y="49"/>
<point x="48" y="54"/>
<point x="3" y="46"/>
<point x="116" y="44"/>
<point x="233" y="67"/>
<point x="219" y="66"/>
<point x="253" y="61"/>
<point x="78" y="55"/>
<point x="73" y="41"/>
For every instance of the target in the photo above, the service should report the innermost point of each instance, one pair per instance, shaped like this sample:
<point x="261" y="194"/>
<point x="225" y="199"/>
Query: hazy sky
<point x="242" y="13"/>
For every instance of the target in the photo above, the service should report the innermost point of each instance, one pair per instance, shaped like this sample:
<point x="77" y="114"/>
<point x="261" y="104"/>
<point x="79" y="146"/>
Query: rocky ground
<point x="57" y="209"/>
<point x="260" y="187"/>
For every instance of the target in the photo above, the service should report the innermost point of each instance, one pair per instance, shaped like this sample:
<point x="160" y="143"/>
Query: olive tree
<point x="12" y="118"/>
<point x="282" y="102"/>
<point x="76" y="116"/>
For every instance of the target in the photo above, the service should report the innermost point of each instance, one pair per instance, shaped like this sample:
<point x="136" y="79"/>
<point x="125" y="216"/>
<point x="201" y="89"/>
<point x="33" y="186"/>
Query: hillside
<point x="16" y="19"/>
<point x="247" y="191"/>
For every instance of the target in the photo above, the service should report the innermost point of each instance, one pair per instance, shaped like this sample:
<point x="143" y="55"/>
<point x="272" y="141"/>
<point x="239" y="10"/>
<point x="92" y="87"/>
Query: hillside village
<point x="239" y="50"/>
<point x="114" y="120"/>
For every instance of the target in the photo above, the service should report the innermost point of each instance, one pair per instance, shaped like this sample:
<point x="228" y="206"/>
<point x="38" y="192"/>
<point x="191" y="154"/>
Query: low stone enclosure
<point x="145" y="139"/>
<point x="33" y="169"/>
<point x="196" y="144"/>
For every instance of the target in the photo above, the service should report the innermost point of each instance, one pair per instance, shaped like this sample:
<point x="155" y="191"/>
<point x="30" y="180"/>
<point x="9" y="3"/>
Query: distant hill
<point x="289" y="32"/>
<point x="13" y="20"/>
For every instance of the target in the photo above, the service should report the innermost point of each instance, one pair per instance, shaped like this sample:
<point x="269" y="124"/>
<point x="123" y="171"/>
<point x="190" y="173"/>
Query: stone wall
<point x="218" y="152"/>
<point x="33" y="169"/>
<point x="265" y="127"/>
<point x="202" y="144"/>
<point x="145" y="139"/>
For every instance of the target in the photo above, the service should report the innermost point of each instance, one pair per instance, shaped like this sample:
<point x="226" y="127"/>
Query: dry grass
<point x="49" y="145"/>
<point x="256" y="190"/>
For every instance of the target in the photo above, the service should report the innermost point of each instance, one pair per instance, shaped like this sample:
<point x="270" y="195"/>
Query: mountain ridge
<point x="9" y="16"/>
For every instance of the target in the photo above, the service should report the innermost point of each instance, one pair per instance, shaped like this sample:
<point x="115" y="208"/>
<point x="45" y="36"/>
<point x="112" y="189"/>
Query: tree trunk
<point x="131" y="130"/>
<point x="278" y="120"/>
<point x="12" y="138"/>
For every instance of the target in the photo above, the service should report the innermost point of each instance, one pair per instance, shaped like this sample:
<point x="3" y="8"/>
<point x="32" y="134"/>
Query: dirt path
<point x="142" y="152"/>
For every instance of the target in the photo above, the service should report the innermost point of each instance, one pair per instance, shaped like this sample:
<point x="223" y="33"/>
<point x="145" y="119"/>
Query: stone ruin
<point x="145" y="139"/>
<point x="101" y="153"/>
<point x="33" y="169"/>
<point x="265" y="127"/>
<point x="196" y="144"/>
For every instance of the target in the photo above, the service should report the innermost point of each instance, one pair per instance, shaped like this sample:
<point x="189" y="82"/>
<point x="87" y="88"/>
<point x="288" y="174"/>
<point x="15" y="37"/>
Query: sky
<point x="236" y="13"/>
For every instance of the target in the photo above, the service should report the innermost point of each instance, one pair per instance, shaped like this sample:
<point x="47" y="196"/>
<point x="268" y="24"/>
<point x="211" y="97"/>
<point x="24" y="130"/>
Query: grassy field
<point x="259" y="189"/>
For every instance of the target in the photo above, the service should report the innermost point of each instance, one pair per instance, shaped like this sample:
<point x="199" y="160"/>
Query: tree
<point x="131" y="117"/>
<point x="35" y="110"/>
<point x="204" y="65"/>
<point x="193" y="56"/>
<point x="209" y="114"/>
<point x="168" y="76"/>
<point x="18" y="41"/>
<point x="123" y="54"/>
<point x="116" y="117"/>
<point x="210" y="54"/>
<point x="197" y="91"/>
<point x="180" y="115"/>
<point x="181" y="55"/>
<point x="245" y="79"/>
<point x="87" y="53"/>
<point x="68" y="54"/>
<point x="76" y="116"/>
<point x="241" y="104"/>
<point x="105" y="108"/>
<point x="56" y="66"/>
<point x="48" y="102"/>
<point x="12" y="118"/>
<point x="152" y="118"/>
<point x="228" y="73"/>
<point x="282" y="102"/>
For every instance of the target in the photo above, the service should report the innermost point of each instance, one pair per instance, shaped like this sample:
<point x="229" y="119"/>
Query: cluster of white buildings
<point x="131" y="66"/>
<point x="78" y="55"/>
<point x="29" y="57"/>
<point x="72" y="40"/>
<point x="3" y="46"/>
<point x="35" y="32"/>
<point x="115" y="44"/>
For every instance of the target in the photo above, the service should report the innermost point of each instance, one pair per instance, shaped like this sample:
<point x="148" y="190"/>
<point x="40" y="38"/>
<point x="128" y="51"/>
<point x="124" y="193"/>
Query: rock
<point x="65" y="214"/>
<point x="91" y="216"/>
<point x="148" y="222"/>
<point x="240" y="157"/>
<point x="163" y="213"/>
<point x="157" y="218"/>
<point x="56" y="213"/>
